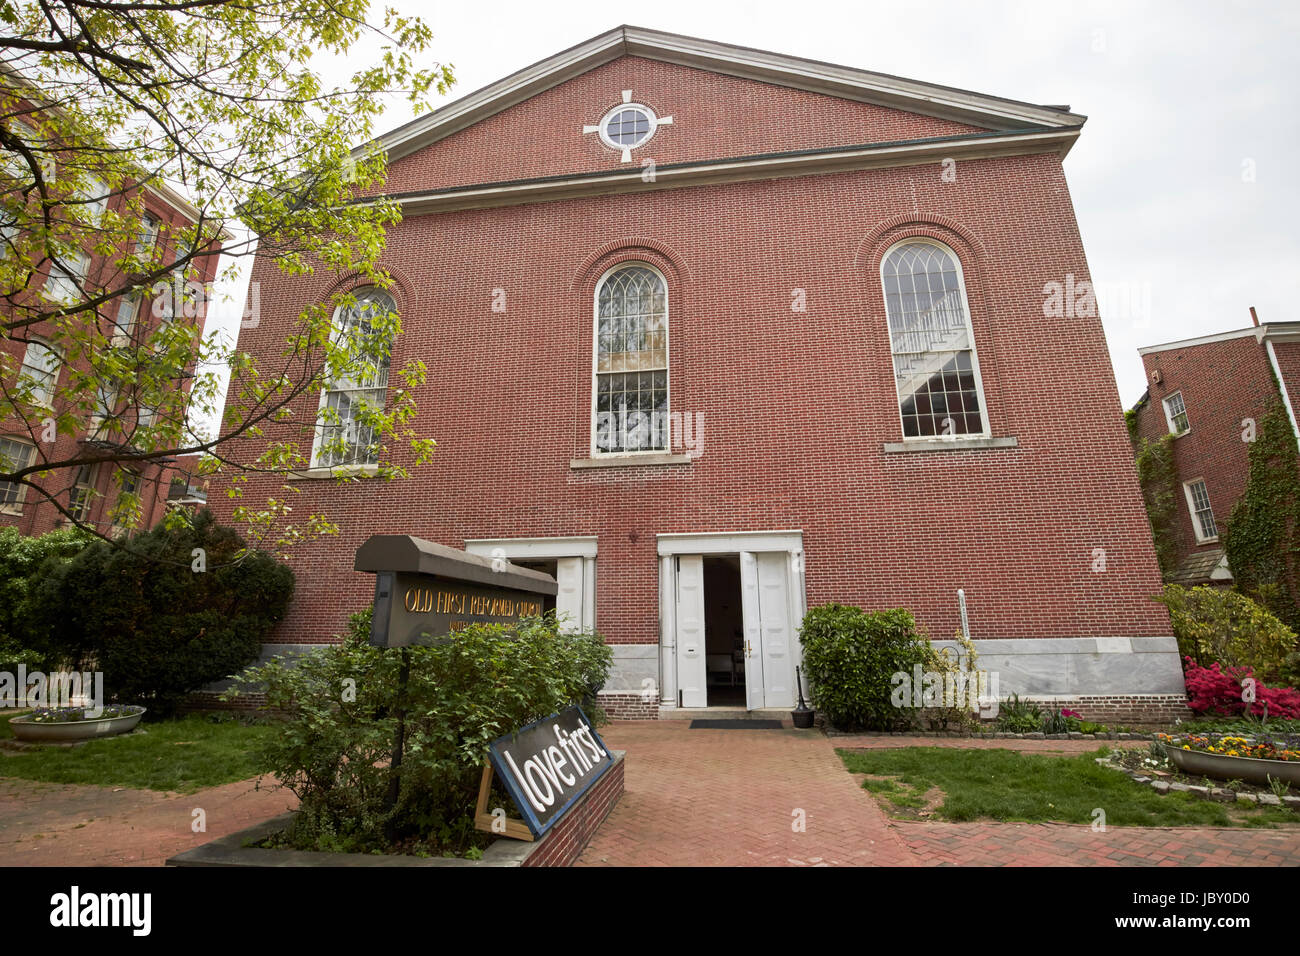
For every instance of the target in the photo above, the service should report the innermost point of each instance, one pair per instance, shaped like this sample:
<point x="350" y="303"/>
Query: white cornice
<point x="776" y="166"/>
<point x="1269" y="331"/>
<point x="928" y="99"/>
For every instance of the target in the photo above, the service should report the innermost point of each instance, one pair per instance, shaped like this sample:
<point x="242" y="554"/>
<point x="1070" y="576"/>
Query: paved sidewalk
<point x="726" y="797"/>
<point x="48" y="824"/>
<point x="694" y="797"/>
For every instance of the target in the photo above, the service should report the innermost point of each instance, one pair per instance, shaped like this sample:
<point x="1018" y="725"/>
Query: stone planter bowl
<point x="1223" y="767"/>
<point x="25" y="728"/>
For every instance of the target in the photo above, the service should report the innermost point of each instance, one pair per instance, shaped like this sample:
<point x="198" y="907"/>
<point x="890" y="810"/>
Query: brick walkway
<point x="47" y="824"/>
<point x="727" y="797"/>
<point x="702" y="797"/>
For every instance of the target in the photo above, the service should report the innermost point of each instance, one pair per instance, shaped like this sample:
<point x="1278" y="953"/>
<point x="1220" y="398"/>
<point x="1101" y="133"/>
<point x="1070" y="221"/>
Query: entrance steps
<point x="724" y="713"/>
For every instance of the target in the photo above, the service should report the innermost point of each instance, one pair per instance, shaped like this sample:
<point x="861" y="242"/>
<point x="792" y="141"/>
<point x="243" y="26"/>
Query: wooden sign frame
<point x="516" y="828"/>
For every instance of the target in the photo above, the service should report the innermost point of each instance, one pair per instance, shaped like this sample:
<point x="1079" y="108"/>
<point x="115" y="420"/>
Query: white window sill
<point x="342" y="471"/>
<point x="633" y="460"/>
<point x="948" y="444"/>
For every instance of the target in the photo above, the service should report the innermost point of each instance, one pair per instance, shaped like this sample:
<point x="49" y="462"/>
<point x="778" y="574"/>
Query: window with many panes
<point x="1198" y="502"/>
<point x="82" y="495"/>
<point x="935" y="368"/>
<point x="40" y="372"/>
<point x="68" y="277"/>
<point x="631" y="364"/>
<point x="344" y="436"/>
<point x="15" y="454"/>
<point x="1176" y="414"/>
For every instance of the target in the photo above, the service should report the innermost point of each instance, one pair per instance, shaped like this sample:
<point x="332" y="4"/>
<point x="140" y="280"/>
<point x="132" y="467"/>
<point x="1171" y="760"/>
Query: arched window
<point x="935" y="368"/>
<point x="631" y="363"/>
<point x="358" y="383"/>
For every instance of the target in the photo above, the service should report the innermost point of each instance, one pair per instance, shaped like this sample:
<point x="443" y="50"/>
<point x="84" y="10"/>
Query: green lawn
<point x="182" y="755"/>
<point x="1008" y="785"/>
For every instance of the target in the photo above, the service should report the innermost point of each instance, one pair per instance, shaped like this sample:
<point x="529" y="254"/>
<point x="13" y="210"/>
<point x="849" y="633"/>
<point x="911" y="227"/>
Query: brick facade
<point x="37" y="515"/>
<point x="1227" y="382"/>
<point x="797" y="406"/>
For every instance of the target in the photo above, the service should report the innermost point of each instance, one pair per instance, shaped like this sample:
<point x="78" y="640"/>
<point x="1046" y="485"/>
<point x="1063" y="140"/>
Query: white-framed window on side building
<point x="15" y="454"/>
<point x="1176" y="414"/>
<point x="344" y="438"/>
<point x="630" y="363"/>
<point x="940" y="393"/>
<point x="40" y="373"/>
<point x="1198" y="503"/>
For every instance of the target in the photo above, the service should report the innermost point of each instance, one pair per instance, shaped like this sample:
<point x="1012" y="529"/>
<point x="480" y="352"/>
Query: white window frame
<point x="1201" y="537"/>
<point x="614" y="144"/>
<point x="596" y="451"/>
<point x="1169" y="418"/>
<point x="43" y="400"/>
<point x="15" y="507"/>
<point x="82" y="499"/>
<point x="319" y="428"/>
<point x="63" y="286"/>
<point x="970" y="328"/>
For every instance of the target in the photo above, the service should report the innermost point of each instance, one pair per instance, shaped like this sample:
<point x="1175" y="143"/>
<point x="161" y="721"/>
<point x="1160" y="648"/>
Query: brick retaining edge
<point x="560" y="846"/>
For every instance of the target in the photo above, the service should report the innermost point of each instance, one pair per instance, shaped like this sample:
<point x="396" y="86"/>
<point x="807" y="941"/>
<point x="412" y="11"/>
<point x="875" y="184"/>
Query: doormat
<point x="735" y="725"/>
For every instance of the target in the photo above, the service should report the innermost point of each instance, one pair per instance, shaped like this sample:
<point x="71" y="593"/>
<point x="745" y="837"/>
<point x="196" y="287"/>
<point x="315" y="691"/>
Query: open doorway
<point x="724" y="631"/>
<point x="546" y="567"/>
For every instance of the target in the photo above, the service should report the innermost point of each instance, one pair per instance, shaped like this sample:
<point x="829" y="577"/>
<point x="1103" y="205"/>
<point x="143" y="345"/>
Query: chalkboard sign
<point x="549" y="764"/>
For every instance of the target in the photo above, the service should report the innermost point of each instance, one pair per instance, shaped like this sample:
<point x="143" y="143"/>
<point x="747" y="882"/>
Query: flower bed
<point x="1259" y="759"/>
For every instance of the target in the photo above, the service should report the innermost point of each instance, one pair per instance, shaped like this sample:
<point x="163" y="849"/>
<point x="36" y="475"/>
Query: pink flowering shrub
<point x="1220" y="691"/>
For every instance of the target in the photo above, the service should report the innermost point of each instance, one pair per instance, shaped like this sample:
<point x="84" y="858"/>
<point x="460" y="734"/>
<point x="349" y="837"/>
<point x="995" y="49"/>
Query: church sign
<point x="426" y="591"/>
<point x="547" y="765"/>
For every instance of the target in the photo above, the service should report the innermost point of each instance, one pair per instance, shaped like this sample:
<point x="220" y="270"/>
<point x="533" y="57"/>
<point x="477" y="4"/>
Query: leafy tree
<point x="1262" y="539"/>
<point x="23" y="562"/>
<point x="172" y="613"/>
<point x="248" y="109"/>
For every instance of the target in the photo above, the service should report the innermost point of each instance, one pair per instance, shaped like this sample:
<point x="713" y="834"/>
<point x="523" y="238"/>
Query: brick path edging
<point x="1219" y="794"/>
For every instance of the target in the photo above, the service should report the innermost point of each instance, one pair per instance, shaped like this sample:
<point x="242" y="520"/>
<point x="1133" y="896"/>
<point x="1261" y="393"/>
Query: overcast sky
<point x="1184" y="180"/>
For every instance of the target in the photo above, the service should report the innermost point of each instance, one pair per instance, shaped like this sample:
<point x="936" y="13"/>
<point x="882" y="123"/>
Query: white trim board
<point x="729" y="542"/>
<point x="742" y="169"/>
<point x="540" y="548"/>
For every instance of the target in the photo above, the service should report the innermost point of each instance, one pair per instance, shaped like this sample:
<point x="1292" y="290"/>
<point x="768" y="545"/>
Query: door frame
<point x="550" y="549"/>
<point x="726" y="542"/>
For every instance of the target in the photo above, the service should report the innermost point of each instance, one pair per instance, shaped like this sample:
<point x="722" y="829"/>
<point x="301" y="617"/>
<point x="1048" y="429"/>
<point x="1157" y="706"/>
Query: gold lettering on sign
<point x="419" y="600"/>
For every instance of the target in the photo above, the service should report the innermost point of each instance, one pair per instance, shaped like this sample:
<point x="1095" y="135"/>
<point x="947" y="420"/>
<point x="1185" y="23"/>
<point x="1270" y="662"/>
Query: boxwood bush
<point x="339" y="707"/>
<point x="157" y="627"/>
<point x="850" y="655"/>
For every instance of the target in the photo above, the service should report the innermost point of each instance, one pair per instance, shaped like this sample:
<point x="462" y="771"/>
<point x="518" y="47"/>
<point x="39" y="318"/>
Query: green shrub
<point x="850" y="656"/>
<point x="339" y="709"/>
<point x="1016" y="716"/>
<point x="1216" y="624"/>
<point x="23" y="564"/>
<point x="154" y="625"/>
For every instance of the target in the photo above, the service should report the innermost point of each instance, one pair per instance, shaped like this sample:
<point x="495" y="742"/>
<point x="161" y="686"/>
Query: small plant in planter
<point x="65" y="715"/>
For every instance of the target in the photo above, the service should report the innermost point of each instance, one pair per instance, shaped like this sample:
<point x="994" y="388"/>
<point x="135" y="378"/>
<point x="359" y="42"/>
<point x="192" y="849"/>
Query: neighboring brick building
<point x="90" y="492"/>
<point x="738" y="436"/>
<point x="1210" y="393"/>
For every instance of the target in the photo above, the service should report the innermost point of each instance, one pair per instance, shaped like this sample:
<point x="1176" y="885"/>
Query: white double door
<point x="766" y="583"/>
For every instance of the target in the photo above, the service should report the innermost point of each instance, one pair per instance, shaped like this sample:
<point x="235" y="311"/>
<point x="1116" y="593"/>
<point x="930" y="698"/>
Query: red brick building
<point x="1210" y="393"/>
<point x="715" y="335"/>
<point x="90" y="493"/>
